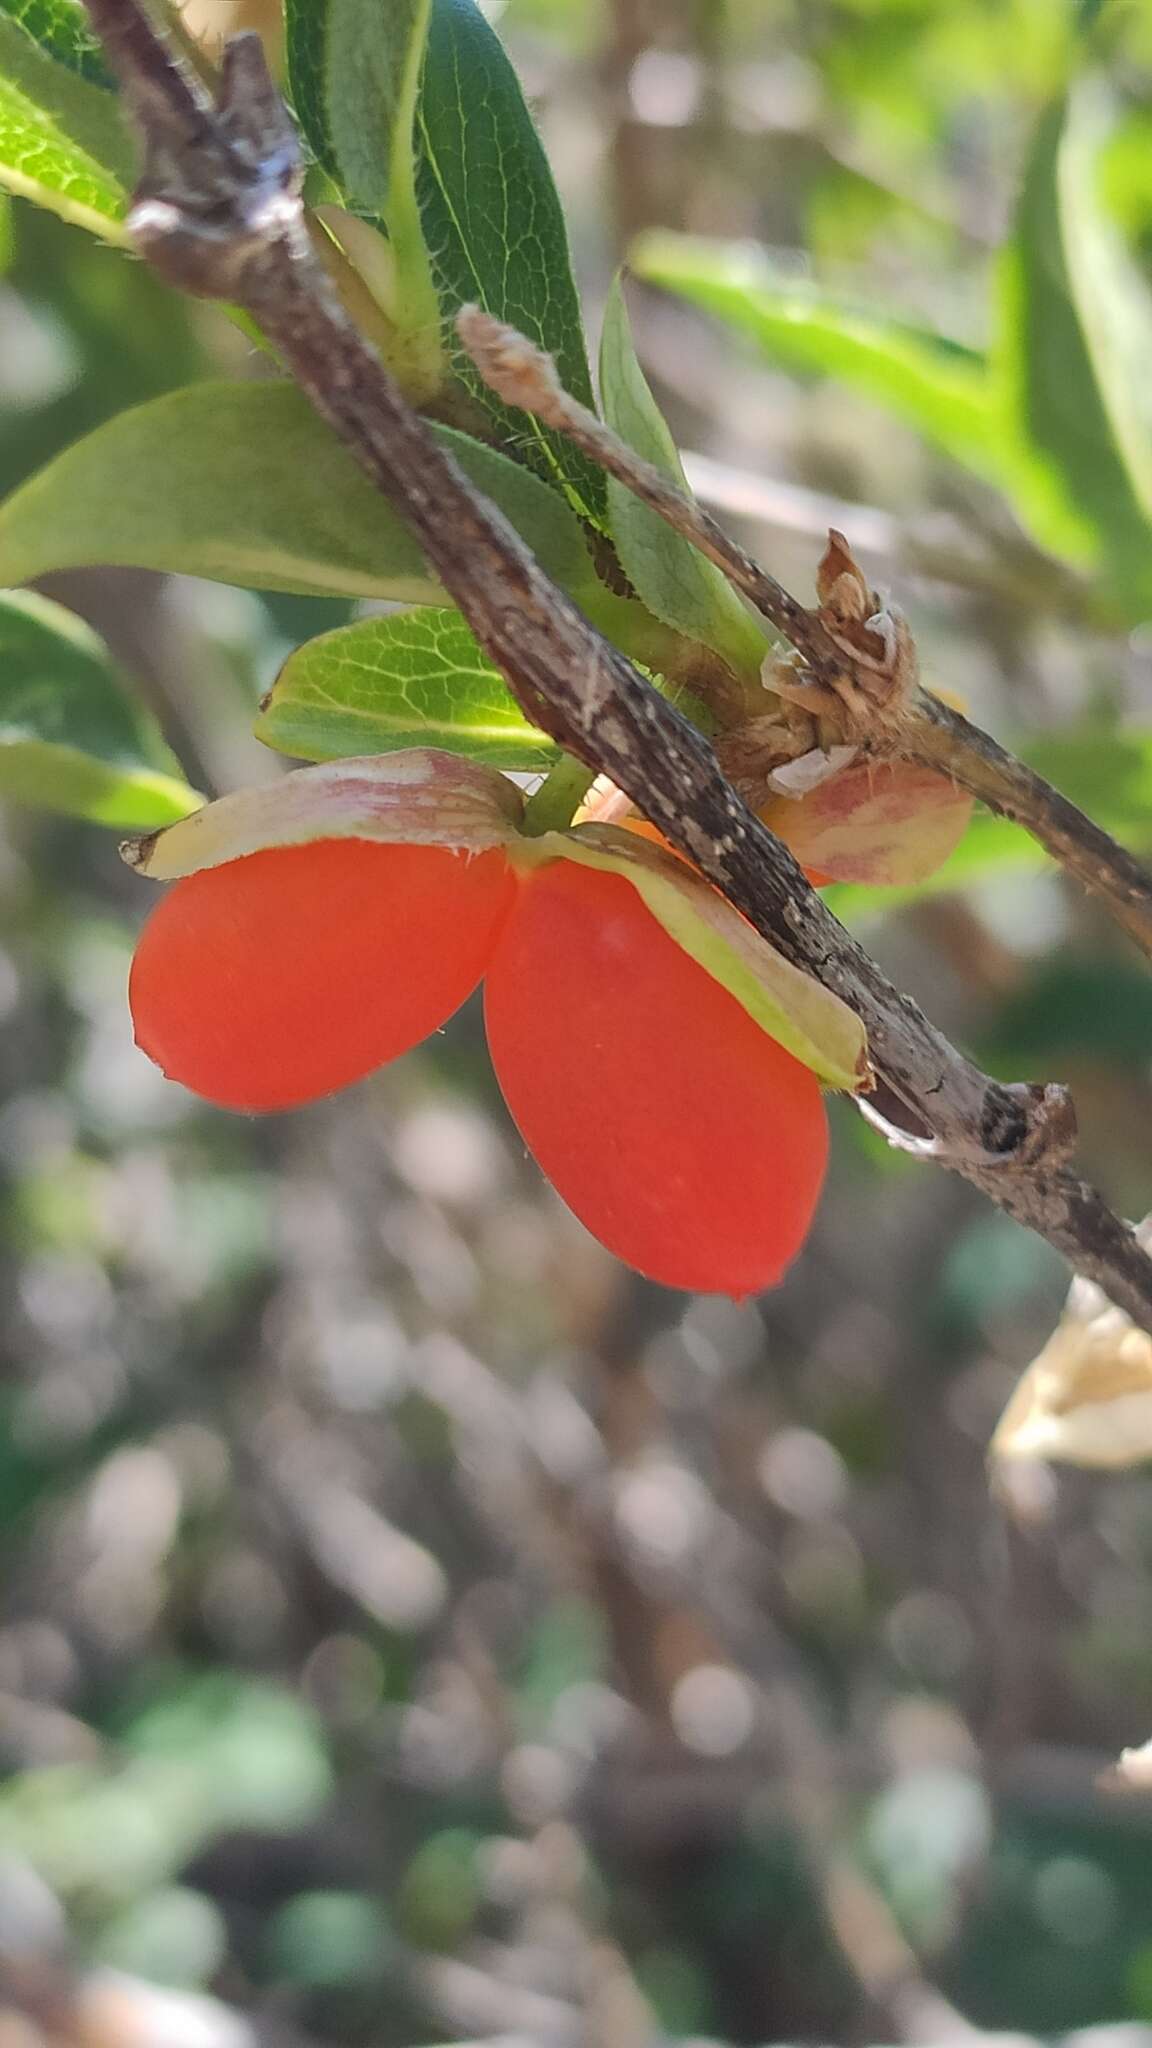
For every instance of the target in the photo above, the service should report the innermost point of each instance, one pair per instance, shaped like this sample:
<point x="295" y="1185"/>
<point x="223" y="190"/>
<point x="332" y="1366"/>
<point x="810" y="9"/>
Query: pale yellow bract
<point x="1087" y="1398"/>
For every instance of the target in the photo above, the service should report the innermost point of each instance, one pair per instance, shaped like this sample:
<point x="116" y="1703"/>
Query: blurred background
<point x="414" y="1627"/>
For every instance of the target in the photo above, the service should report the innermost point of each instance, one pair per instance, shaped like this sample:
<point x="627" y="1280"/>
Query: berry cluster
<point x="661" y="1062"/>
<point x="687" y="1140"/>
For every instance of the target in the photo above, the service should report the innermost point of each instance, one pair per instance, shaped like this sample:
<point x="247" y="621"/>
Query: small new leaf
<point x="415" y="679"/>
<point x="71" y="738"/>
<point x="354" y="71"/>
<point x="368" y="54"/>
<point x="675" y="582"/>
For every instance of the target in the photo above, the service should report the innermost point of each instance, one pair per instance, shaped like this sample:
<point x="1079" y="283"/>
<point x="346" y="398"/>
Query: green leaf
<point x="674" y="580"/>
<point x="1078" y="496"/>
<point x="370" y="59"/>
<point x="60" y="28"/>
<point x="71" y="738"/>
<point x="415" y="679"/>
<point x="496" y="232"/>
<point x="446" y="157"/>
<point x="373" y="86"/>
<point x="245" y="484"/>
<point x="62" y="142"/>
<point x="354" y="71"/>
<point x="306" y="30"/>
<point x="936" y="385"/>
<point x="1110" y="293"/>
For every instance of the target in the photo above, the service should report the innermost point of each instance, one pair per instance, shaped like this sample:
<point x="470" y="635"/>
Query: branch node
<point x="1051" y="1131"/>
<point x="869" y="698"/>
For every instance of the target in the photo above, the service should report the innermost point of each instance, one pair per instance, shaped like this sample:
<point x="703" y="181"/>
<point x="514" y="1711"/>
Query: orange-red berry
<point x="297" y="970"/>
<point x="688" y="1142"/>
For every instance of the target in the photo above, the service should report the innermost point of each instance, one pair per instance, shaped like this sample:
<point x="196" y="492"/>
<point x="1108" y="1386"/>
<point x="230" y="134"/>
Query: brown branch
<point x="218" y="213"/>
<point x="915" y="725"/>
<point x="943" y="738"/>
<point x="523" y="375"/>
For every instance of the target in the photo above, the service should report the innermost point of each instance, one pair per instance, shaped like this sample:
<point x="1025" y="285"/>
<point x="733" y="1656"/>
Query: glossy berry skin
<point x="688" y="1142"/>
<point x="297" y="970"/>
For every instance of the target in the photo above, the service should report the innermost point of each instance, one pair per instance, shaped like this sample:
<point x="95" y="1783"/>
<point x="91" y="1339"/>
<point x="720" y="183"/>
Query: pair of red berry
<point x="662" y="1063"/>
<point x="685" y="1137"/>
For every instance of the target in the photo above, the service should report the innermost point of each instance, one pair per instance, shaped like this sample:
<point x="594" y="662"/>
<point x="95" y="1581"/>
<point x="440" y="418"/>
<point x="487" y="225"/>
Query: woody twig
<point x="856" y="666"/>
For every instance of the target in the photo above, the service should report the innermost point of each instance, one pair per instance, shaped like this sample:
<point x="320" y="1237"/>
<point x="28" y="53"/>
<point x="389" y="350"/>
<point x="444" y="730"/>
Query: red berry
<point x="297" y="970"/>
<point x="688" y="1142"/>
